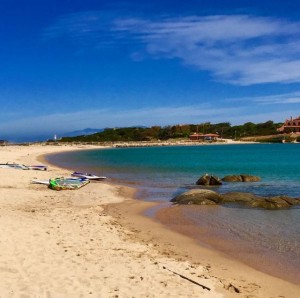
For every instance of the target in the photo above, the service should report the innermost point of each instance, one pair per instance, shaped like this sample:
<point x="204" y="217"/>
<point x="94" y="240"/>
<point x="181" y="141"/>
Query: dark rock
<point x="290" y="201"/>
<point x="209" y="197"/>
<point x="203" y="180"/>
<point x="250" y="178"/>
<point x="253" y="201"/>
<point x="209" y="180"/>
<point x="214" y="180"/>
<point x="198" y="197"/>
<point x="232" y="178"/>
<point x="241" y="178"/>
<point x="238" y="197"/>
<point x="279" y="202"/>
<point x="261" y="203"/>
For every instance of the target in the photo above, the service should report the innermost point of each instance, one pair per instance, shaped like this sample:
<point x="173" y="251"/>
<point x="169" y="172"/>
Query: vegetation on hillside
<point x="225" y="130"/>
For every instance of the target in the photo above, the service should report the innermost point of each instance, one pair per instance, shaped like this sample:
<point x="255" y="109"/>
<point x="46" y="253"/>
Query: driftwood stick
<point x="188" y="279"/>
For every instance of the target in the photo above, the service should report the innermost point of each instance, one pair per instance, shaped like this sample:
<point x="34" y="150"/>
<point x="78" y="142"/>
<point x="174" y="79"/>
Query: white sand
<point x="62" y="244"/>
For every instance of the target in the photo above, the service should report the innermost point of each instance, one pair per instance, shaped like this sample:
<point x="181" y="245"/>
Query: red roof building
<point x="290" y="126"/>
<point x="203" y="137"/>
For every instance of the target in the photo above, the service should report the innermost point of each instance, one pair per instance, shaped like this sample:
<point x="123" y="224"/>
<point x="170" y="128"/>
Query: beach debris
<point x="209" y="180"/>
<point x="231" y="288"/>
<point x="10" y="165"/>
<point x="241" y="178"/>
<point x="38" y="167"/>
<point x="209" y="197"/>
<point x="37" y="181"/>
<point x="188" y="279"/>
<point x="67" y="183"/>
<point x="88" y="176"/>
<point x="13" y="165"/>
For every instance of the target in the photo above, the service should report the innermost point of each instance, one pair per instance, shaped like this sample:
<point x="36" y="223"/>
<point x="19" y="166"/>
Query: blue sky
<point x="69" y="65"/>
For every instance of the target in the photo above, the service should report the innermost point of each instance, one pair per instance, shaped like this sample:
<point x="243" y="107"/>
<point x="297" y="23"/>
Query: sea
<point x="268" y="240"/>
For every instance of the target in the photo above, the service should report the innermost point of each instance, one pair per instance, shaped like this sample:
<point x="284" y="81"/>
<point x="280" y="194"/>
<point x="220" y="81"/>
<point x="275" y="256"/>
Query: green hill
<point x="225" y="130"/>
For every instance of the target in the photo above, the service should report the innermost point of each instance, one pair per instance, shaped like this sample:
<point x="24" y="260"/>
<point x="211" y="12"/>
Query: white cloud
<point x="282" y="99"/>
<point x="241" y="50"/>
<point x="237" y="49"/>
<point x="207" y="28"/>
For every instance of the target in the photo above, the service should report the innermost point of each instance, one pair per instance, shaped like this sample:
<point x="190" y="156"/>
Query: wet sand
<point x="215" y="233"/>
<point x="238" y="278"/>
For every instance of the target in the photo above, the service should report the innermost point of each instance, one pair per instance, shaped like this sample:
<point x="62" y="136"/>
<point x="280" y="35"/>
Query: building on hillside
<point x="203" y="137"/>
<point x="290" y="126"/>
<point x="196" y="136"/>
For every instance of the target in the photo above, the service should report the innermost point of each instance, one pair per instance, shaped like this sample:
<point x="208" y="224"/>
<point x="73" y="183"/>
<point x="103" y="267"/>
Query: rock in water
<point x="209" y="180"/>
<point x="198" y="197"/>
<point x="250" y="178"/>
<point x="209" y="197"/>
<point x="241" y="178"/>
<point x="238" y="197"/>
<point x="232" y="178"/>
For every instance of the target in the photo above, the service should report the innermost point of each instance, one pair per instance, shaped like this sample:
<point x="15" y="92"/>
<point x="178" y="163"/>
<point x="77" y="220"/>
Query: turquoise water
<point x="267" y="240"/>
<point x="163" y="172"/>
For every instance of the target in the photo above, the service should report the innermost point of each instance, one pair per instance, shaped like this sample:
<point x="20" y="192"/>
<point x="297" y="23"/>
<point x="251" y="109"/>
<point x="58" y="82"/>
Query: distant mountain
<point x="86" y="131"/>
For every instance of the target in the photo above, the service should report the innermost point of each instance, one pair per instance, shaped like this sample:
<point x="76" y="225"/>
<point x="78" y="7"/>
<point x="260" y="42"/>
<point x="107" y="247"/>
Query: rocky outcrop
<point x="198" y="197"/>
<point x="238" y="197"/>
<point x="209" y="180"/>
<point x="209" y="197"/>
<point x="241" y="178"/>
<point x="250" y="200"/>
<point x="279" y="202"/>
<point x="250" y="178"/>
<point x="232" y="178"/>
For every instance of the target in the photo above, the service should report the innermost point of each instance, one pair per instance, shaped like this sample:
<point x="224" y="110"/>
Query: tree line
<point x="154" y="133"/>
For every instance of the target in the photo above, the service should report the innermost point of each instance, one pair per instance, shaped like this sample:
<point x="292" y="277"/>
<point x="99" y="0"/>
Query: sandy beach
<point x="95" y="242"/>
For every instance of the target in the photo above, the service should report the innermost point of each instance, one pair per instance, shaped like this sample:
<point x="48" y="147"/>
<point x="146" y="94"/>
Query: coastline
<point x="261" y="260"/>
<point x="239" y="279"/>
<point x="99" y="235"/>
<point x="173" y="142"/>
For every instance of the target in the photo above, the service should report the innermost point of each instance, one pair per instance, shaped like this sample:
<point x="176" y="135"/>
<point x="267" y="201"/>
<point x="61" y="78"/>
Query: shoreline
<point x="257" y="258"/>
<point x="140" y="252"/>
<point x="167" y="225"/>
<point x="236" y="277"/>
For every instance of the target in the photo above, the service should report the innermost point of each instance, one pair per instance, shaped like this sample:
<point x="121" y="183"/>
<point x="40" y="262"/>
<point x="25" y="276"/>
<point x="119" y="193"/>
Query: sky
<point x="69" y="65"/>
